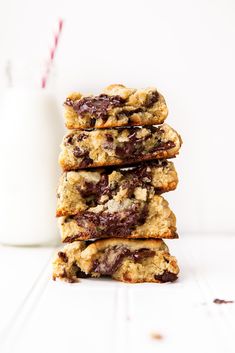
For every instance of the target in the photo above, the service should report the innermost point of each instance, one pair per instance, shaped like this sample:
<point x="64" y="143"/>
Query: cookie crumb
<point x="156" y="336"/>
<point x="222" y="301"/>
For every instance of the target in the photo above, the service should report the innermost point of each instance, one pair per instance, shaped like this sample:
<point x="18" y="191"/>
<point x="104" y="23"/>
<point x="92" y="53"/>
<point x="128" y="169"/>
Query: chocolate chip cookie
<point x="128" y="218"/>
<point x="125" y="260"/>
<point x="120" y="146"/>
<point x="83" y="190"/>
<point x="115" y="106"/>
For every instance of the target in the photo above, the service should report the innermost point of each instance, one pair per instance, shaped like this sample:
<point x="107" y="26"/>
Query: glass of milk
<point x="31" y="132"/>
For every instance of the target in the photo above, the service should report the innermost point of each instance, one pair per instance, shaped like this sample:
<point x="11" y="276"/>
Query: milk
<point x="31" y="132"/>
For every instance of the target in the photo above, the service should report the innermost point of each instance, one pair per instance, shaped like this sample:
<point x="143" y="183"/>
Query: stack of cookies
<point x="111" y="212"/>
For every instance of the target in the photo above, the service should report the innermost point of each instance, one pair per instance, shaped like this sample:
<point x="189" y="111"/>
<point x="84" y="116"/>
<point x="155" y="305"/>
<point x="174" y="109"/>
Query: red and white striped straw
<point x="52" y="54"/>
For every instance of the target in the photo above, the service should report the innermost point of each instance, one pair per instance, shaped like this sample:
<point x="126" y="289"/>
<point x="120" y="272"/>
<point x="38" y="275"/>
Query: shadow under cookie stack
<point x="115" y="168"/>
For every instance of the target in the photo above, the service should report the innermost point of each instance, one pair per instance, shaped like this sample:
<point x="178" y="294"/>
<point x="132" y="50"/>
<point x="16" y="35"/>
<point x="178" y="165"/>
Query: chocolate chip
<point x="141" y="254"/>
<point x="127" y="150"/>
<point x="129" y="113"/>
<point x="154" y="129"/>
<point x="79" y="273"/>
<point x="153" y="98"/>
<point x="166" y="276"/>
<point x="109" y="137"/>
<point x="69" y="102"/>
<point x="92" y="122"/>
<point x="62" y="255"/>
<point x="86" y="162"/>
<point x="163" y="146"/>
<point x="108" y="144"/>
<point x="71" y="239"/>
<point x="97" y="106"/>
<point x="69" y="140"/>
<point x="81" y="137"/>
<point x="78" y="152"/>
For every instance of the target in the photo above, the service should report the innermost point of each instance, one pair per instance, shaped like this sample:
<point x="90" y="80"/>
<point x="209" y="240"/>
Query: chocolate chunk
<point x="141" y="254"/>
<point x="109" y="137"/>
<point x="79" y="273"/>
<point x="81" y="137"/>
<point x="69" y="102"/>
<point x="92" y="122"/>
<point x="97" y="106"/>
<point x="153" y="98"/>
<point x="166" y="276"/>
<point x="96" y="189"/>
<point x="131" y="147"/>
<point x="155" y="129"/>
<point x="71" y="239"/>
<point x="222" y="301"/>
<point x="113" y="257"/>
<point x="137" y="178"/>
<point x="78" y="152"/>
<point x="62" y="255"/>
<point x="114" y="224"/>
<point x="108" y="144"/>
<point x="163" y="146"/>
<point x="110" y="260"/>
<point x="86" y="162"/>
<point x="130" y="112"/>
<point x="69" y="140"/>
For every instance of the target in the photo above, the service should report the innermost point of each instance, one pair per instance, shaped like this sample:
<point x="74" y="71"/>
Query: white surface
<point x="39" y="315"/>
<point x="186" y="48"/>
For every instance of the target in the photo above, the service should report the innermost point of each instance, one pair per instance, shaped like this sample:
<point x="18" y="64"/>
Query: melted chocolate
<point x="62" y="255"/>
<point x="96" y="189"/>
<point x="134" y="146"/>
<point x="114" y="224"/>
<point x="110" y="261"/>
<point x="141" y="254"/>
<point x="112" y="258"/>
<point x="131" y="147"/>
<point x="96" y="106"/>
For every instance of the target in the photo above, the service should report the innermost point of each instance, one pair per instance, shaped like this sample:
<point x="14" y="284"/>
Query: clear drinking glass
<point x="32" y="129"/>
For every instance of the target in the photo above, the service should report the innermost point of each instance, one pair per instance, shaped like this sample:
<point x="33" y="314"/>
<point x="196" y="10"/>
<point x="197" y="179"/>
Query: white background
<point x="184" y="48"/>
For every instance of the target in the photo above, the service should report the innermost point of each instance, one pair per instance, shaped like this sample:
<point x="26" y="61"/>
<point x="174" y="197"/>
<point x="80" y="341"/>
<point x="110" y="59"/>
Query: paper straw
<point x="52" y="54"/>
